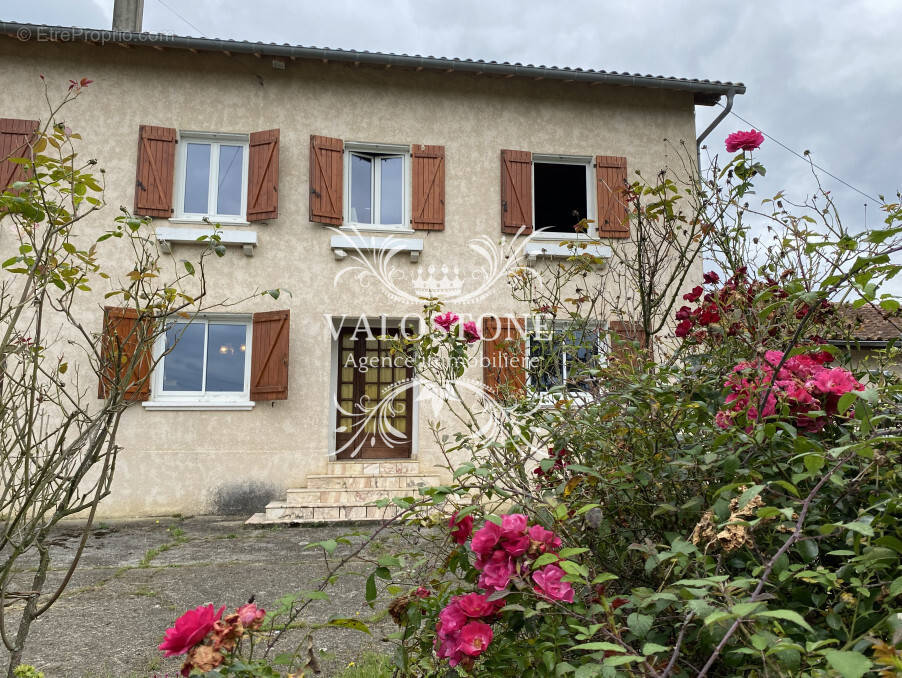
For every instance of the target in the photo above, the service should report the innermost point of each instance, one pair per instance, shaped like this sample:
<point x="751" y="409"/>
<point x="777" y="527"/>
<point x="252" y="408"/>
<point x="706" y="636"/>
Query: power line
<point x="182" y="18"/>
<point x="807" y="160"/>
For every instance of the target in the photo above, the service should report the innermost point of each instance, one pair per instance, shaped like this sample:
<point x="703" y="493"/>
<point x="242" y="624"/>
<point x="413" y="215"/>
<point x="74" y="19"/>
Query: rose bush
<point x="733" y="508"/>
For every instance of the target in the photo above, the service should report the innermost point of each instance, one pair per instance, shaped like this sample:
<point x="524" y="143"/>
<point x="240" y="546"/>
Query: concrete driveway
<point x="137" y="576"/>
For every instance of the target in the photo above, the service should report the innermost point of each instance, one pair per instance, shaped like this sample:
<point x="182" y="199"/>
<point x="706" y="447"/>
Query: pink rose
<point x="446" y="320"/>
<point x="744" y="141"/>
<point x="545" y="540"/>
<point x="452" y="618"/>
<point x="513" y="534"/>
<point x="189" y="629"/>
<point x="460" y="529"/>
<point x="485" y="539"/>
<point x="250" y="615"/>
<point x="475" y="605"/>
<point x="475" y="638"/>
<point x="471" y="332"/>
<point x="549" y="584"/>
<point x="836" y="381"/>
<point x="446" y="645"/>
<point x="497" y="572"/>
<point x="422" y="592"/>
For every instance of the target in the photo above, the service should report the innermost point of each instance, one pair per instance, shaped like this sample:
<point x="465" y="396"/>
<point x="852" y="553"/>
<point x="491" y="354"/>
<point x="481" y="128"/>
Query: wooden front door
<point x="374" y="398"/>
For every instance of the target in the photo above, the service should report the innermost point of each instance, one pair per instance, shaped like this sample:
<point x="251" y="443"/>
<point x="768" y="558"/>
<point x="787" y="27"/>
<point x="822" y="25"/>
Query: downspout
<point x="714" y="123"/>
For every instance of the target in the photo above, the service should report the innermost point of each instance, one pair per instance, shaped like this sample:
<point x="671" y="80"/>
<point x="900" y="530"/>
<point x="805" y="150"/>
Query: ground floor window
<point x="205" y="359"/>
<point x="563" y="358"/>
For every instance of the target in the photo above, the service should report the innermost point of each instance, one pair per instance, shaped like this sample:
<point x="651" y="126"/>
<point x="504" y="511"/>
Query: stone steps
<point x="361" y="482"/>
<point x="346" y="493"/>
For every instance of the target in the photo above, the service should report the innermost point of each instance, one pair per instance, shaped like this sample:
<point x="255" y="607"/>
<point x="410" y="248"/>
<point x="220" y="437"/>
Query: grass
<point x="371" y="665"/>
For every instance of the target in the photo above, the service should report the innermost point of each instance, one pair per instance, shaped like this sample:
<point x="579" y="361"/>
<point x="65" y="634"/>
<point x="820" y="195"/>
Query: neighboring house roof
<point x="871" y="324"/>
<point x="706" y="92"/>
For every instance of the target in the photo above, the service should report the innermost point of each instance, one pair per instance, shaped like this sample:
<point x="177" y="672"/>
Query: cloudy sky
<point x="822" y="76"/>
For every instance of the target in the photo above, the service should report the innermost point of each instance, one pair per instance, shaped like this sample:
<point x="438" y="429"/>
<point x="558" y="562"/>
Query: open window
<point x="551" y="194"/>
<point x="561" y="190"/>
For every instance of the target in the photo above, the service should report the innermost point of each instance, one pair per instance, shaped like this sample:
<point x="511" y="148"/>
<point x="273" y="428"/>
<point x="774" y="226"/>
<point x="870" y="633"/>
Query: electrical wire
<point x="806" y="159"/>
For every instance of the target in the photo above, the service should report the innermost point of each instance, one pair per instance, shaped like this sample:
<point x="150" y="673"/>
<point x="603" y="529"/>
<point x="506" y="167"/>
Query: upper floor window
<point x="561" y="190"/>
<point x="377" y="185"/>
<point x="211" y="179"/>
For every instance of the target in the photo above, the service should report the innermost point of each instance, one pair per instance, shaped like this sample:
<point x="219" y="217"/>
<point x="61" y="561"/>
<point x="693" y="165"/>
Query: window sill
<point x="389" y="246"/>
<point x="198" y="405"/>
<point x="206" y="221"/>
<point x="534" y="250"/>
<point x="370" y="228"/>
<point x="169" y="235"/>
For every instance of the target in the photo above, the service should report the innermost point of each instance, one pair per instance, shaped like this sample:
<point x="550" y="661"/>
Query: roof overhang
<point x="705" y="92"/>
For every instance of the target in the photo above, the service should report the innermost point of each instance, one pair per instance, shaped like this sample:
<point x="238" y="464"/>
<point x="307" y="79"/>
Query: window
<point x="212" y="176"/>
<point x="562" y="357"/>
<point x="205" y="360"/>
<point x="377" y="179"/>
<point x="561" y="193"/>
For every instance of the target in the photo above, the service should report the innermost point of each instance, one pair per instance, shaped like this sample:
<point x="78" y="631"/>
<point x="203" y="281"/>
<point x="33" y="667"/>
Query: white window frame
<point x="378" y="150"/>
<point x="591" y="201"/>
<point x="203" y="400"/>
<point x="555" y="327"/>
<point x="215" y="139"/>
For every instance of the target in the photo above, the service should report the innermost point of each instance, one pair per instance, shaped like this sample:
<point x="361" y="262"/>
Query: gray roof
<point x="706" y="92"/>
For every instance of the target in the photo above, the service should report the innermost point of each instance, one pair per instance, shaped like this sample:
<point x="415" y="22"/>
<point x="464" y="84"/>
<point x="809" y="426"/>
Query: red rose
<point x="460" y="529"/>
<point x="189" y="629"/>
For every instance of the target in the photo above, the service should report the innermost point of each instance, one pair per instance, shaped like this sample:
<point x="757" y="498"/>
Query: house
<point x="872" y="337"/>
<point x="322" y="165"/>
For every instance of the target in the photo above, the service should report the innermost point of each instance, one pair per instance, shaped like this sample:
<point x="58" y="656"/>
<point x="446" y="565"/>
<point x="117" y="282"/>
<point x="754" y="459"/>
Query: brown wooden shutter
<point x="516" y="191"/>
<point x="504" y="356"/>
<point x="121" y="338"/>
<point x="263" y="175"/>
<point x="326" y="180"/>
<point x="155" y="172"/>
<point x="269" y="356"/>
<point x="428" y="189"/>
<point x="624" y="334"/>
<point x="15" y="136"/>
<point x="610" y="175"/>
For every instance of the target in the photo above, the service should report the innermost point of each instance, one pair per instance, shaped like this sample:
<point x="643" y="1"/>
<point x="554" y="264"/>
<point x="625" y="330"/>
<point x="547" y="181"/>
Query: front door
<point x="374" y="398"/>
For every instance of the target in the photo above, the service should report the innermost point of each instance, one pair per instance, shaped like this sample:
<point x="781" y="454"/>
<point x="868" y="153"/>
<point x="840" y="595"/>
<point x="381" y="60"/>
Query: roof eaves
<point x="706" y="92"/>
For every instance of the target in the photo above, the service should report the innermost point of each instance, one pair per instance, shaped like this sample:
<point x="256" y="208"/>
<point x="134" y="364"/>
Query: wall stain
<point x="243" y="497"/>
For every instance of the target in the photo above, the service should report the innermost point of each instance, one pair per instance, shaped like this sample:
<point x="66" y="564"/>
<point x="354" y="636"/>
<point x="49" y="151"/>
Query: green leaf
<point x="846" y="400"/>
<point x="653" y="648"/>
<point x="848" y="664"/>
<point x="603" y="577"/>
<point x="860" y="528"/>
<point x="599" y="646"/>
<point x="618" y="659"/>
<point x="544" y="559"/>
<point x="787" y="615"/>
<point x="566" y="553"/>
<point x="749" y="494"/>
<point x="640" y="624"/>
<point x="371" y="592"/>
<point x="895" y="588"/>
<point x="189" y="267"/>
<point x="355" y="624"/>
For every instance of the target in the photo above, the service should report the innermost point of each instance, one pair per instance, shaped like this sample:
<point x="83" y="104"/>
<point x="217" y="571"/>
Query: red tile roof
<point x="871" y="323"/>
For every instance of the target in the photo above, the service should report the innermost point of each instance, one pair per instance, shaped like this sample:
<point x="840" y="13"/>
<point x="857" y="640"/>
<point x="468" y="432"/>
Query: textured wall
<point x="193" y="462"/>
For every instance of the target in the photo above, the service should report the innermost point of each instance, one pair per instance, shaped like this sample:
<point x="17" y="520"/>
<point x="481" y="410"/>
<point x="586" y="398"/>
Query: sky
<point x="821" y="76"/>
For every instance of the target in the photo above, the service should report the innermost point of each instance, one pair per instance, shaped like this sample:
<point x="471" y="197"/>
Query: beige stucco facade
<point x="235" y="461"/>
